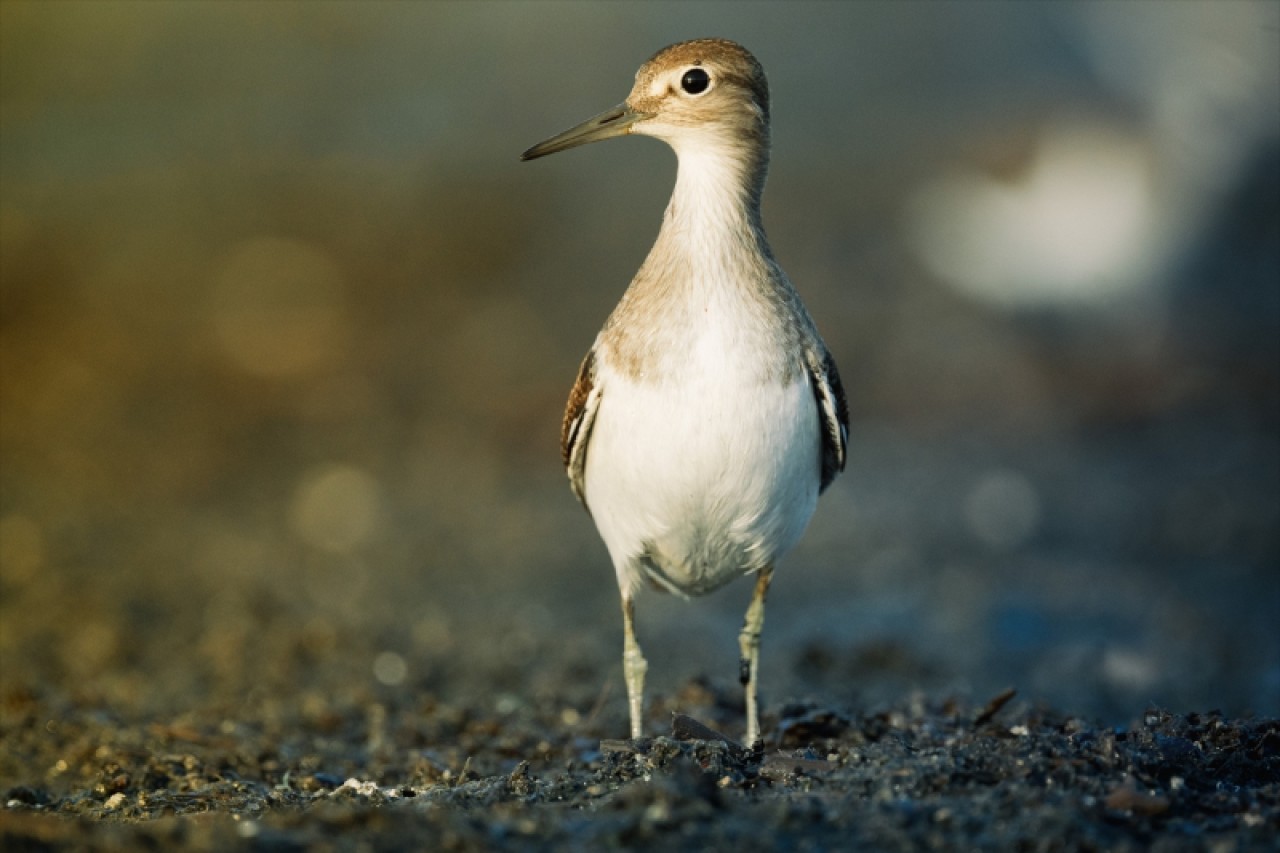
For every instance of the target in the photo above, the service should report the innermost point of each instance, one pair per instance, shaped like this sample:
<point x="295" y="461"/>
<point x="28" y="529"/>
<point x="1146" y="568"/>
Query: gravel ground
<point x="916" y="775"/>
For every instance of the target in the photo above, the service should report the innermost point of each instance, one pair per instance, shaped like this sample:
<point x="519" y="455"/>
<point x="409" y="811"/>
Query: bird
<point x="708" y="415"/>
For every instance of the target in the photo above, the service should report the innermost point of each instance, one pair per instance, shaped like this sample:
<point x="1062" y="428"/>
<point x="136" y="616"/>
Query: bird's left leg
<point x="633" y="666"/>
<point x="749" y="647"/>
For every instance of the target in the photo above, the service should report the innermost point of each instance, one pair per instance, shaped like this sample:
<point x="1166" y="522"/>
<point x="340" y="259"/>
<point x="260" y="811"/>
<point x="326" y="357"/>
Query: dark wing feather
<point x="575" y="431"/>
<point x="828" y="392"/>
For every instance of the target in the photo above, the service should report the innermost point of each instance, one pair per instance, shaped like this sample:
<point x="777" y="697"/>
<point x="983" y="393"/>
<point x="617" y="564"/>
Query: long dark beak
<point x="616" y="121"/>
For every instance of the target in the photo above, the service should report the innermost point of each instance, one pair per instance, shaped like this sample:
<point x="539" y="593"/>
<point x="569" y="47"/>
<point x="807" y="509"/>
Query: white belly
<point x="695" y="482"/>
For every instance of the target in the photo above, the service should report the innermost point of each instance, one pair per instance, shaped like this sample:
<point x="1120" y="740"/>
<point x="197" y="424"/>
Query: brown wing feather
<point x="575" y="430"/>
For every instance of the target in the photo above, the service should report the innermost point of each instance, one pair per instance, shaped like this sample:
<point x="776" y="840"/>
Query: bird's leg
<point x="749" y="645"/>
<point x="633" y="665"/>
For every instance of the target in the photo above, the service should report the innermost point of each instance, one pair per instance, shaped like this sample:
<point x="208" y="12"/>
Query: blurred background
<point x="286" y="331"/>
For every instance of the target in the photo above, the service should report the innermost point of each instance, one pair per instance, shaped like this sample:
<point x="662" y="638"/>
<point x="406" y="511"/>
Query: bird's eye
<point x="695" y="81"/>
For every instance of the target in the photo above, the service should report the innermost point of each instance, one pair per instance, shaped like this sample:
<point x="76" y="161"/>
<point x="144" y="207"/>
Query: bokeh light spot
<point x="1003" y="509"/>
<point x="390" y="668"/>
<point x="336" y="508"/>
<point x="1078" y="227"/>
<point x="277" y="307"/>
<point x="21" y="548"/>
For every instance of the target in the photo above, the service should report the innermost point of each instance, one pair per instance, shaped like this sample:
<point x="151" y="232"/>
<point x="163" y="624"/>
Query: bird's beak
<point x="616" y="121"/>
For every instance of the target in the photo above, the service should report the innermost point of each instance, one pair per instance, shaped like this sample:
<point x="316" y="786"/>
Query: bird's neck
<point x="713" y="218"/>
<point x="709" y="272"/>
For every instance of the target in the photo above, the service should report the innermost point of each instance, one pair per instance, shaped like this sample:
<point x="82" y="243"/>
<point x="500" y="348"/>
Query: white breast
<point x="708" y="474"/>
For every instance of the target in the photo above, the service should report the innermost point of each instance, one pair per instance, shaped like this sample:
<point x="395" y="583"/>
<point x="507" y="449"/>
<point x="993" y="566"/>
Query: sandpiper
<point x="708" y="415"/>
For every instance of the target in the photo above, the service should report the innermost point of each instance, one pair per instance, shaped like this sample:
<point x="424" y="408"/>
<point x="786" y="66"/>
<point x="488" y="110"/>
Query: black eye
<point x="695" y="81"/>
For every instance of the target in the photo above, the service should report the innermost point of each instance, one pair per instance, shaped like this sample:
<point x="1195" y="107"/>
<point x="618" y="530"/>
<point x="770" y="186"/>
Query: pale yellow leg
<point x="634" y="666"/>
<point x="749" y="646"/>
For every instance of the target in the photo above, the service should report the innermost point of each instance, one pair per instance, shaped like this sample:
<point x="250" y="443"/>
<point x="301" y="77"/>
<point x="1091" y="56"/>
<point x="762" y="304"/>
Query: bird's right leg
<point x="749" y="644"/>
<point x="633" y="665"/>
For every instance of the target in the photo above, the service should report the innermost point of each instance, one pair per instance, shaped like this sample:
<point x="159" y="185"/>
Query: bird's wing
<point x="575" y="431"/>
<point x="829" y="395"/>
